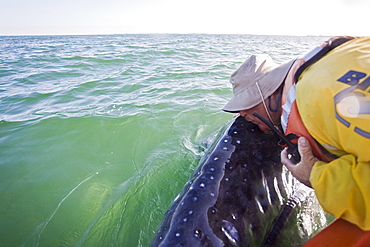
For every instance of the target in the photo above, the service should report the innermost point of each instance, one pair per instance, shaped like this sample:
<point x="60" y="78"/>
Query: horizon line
<point x="165" y="33"/>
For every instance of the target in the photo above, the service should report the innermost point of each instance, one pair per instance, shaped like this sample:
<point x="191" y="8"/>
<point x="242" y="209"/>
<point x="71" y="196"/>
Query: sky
<point x="263" y="17"/>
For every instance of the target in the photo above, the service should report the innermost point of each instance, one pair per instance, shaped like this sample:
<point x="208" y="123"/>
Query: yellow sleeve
<point x="343" y="189"/>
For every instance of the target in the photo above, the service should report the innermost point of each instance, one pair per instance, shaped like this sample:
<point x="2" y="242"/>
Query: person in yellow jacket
<point x="327" y="106"/>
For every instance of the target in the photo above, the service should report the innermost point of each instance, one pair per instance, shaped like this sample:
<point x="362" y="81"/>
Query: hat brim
<point x="251" y="97"/>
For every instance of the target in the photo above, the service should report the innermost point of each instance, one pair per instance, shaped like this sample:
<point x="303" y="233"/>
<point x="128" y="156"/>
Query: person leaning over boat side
<point x="328" y="108"/>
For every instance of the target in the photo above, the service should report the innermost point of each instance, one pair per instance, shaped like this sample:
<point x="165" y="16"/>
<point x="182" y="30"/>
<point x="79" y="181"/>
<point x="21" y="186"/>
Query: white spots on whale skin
<point x="226" y="179"/>
<point x="198" y="233"/>
<point x="202" y="187"/>
<point x="213" y="210"/>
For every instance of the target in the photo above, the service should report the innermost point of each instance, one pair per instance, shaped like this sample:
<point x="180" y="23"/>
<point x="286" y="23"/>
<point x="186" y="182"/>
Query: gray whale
<point x="241" y="196"/>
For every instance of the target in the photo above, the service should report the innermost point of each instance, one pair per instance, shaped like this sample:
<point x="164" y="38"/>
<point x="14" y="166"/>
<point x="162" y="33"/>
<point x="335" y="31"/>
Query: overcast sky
<point x="270" y="17"/>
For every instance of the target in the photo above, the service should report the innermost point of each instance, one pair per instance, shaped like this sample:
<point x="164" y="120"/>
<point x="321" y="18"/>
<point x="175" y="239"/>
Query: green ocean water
<point x="98" y="134"/>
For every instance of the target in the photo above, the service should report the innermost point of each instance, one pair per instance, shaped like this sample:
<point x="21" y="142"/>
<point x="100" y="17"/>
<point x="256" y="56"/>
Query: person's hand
<point x="302" y="170"/>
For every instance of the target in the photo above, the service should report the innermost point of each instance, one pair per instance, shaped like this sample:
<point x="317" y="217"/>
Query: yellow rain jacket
<point x="333" y="100"/>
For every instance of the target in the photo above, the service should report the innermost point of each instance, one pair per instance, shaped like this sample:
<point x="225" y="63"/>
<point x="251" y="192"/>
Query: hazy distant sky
<point x="281" y="17"/>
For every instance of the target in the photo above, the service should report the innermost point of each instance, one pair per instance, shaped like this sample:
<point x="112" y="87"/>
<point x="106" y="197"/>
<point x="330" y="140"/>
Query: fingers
<point x="304" y="147"/>
<point x="302" y="170"/>
<point x="305" y="150"/>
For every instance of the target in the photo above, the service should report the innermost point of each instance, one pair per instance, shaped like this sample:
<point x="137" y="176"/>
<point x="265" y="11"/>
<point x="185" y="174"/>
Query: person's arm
<point x="342" y="186"/>
<point x="343" y="189"/>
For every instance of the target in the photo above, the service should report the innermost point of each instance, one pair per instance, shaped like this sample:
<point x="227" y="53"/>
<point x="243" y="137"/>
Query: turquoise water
<point x="98" y="134"/>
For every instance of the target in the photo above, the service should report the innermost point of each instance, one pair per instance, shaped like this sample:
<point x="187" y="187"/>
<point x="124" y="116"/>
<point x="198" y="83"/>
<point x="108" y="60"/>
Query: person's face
<point x="260" y="109"/>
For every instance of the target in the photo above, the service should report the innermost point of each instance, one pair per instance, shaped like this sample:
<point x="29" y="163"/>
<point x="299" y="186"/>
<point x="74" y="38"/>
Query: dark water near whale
<point x="98" y="134"/>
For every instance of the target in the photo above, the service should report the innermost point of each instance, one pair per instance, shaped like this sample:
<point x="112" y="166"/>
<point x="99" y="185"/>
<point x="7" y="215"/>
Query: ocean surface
<point x="98" y="134"/>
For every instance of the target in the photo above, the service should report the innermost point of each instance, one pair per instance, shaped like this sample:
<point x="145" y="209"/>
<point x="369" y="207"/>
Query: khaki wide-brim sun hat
<point x="259" y="69"/>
